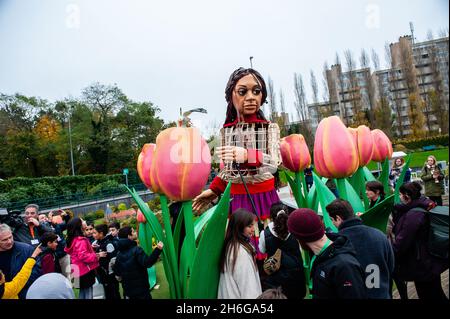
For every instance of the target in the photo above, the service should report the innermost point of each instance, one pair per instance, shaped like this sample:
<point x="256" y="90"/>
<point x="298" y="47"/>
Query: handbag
<point x="272" y="264"/>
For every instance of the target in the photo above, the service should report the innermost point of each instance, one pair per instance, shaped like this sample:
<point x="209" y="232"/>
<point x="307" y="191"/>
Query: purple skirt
<point x="263" y="202"/>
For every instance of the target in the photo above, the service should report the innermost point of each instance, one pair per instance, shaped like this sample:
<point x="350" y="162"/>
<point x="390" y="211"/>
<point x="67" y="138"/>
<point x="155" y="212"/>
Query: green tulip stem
<point x="190" y="237"/>
<point x="299" y="188"/>
<point x="306" y="262"/>
<point x="340" y="184"/>
<point x="171" y="248"/>
<point x="305" y="190"/>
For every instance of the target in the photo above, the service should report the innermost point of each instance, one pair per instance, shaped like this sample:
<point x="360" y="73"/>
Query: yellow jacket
<point x="13" y="287"/>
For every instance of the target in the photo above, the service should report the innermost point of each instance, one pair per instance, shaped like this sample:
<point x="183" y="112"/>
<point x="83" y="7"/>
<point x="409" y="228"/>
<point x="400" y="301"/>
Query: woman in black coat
<point x="412" y="259"/>
<point x="132" y="263"/>
<point x="290" y="276"/>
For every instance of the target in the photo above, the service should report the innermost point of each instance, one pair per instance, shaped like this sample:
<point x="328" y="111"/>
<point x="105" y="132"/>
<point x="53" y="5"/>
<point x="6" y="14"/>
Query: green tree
<point x="135" y="125"/>
<point x="415" y="114"/>
<point x="383" y="117"/>
<point x="18" y="116"/>
<point x="439" y="111"/>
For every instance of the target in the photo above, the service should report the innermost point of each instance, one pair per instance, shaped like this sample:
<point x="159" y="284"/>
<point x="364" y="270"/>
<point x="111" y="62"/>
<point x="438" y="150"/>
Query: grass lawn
<point x="419" y="158"/>
<point x="163" y="291"/>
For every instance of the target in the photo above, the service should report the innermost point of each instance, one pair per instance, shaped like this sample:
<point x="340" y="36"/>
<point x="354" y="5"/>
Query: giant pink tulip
<point x="295" y="153"/>
<point x="382" y="146"/>
<point x="140" y="217"/>
<point x="182" y="162"/>
<point x="335" y="152"/>
<point x="144" y="167"/>
<point x="364" y="143"/>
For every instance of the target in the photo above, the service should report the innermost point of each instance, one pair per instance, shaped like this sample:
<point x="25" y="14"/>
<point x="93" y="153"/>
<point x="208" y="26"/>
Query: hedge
<point x="413" y="144"/>
<point x="48" y="192"/>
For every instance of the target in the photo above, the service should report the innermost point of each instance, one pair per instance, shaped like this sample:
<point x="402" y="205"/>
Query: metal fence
<point x="71" y="199"/>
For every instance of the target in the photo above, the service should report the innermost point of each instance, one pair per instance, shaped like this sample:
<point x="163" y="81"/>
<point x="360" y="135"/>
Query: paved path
<point x="412" y="294"/>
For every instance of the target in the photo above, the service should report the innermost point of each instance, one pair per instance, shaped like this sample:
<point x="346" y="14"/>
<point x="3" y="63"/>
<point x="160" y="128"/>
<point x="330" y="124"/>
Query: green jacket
<point x="431" y="187"/>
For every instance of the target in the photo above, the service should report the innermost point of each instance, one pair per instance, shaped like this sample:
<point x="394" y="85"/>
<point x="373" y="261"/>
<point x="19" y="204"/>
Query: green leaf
<point x="177" y="231"/>
<point x="400" y="181"/>
<point x="312" y="200"/>
<point x="204" y="280"/>
<point x="158" y="233"/>
<point x="378" y="216"/>
<point x="173" y="260"/>
<point x="384" y="177"/>
<point x="145" y="233"/>
<point x="201" y="221"/>
<point x="368" y="174"/>
<point x="347" y="192"/>
<point x="188" y="249"/>
<point x="295" y="189"/>
<point x="325" y="197"/>
<point x="360" y="186"/>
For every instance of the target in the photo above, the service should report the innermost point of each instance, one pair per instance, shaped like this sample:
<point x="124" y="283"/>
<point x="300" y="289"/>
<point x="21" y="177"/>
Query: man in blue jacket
<point x="335" y="272"/>
<point x="373" y="250"/>
<point x="13" y="256"/>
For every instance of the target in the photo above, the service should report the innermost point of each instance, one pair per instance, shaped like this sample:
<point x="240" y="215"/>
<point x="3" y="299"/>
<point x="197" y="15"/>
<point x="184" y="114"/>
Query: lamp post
<point x="70" y="142"/>
<point x="185" y="120"/>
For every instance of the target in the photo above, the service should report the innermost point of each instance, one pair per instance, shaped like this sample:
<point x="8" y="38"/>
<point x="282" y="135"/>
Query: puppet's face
<point x="247" y="95"/>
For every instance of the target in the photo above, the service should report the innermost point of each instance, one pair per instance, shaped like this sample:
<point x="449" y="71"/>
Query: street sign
<point x="125" y="171"/>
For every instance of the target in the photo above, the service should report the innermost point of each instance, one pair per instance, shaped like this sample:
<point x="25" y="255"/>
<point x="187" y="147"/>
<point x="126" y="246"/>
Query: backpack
<point x="438" y="231"/>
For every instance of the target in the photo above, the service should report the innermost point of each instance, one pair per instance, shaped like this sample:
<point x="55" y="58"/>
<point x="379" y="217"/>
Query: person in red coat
<point x="83" y="259"/>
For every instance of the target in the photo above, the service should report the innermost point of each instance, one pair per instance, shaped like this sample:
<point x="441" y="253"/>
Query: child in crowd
<point x="49" y="259"/>
<point x="132" y="263"/>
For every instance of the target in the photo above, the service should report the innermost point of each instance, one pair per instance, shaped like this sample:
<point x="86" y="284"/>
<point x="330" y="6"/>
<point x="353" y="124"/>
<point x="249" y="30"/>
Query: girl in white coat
<point x="239" y="277"/>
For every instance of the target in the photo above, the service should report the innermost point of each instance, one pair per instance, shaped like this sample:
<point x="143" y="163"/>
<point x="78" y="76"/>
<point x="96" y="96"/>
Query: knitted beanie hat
<point x="305" y="225"/>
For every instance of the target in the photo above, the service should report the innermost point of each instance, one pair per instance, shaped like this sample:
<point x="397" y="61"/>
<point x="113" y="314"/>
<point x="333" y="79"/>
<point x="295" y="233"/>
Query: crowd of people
<point x="266" y="259"/>
<point x="357" y="262"/>
<point x="42" y="251"/>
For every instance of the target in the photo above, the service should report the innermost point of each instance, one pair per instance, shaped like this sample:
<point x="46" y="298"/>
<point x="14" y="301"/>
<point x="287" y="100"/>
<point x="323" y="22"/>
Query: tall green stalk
<point x="170" y="244"/>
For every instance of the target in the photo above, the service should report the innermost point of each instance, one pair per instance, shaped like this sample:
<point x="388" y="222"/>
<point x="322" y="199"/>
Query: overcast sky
<point x="181" y="53"/>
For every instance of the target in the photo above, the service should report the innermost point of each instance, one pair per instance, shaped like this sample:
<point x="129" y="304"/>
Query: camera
<point x="12" y="218"/>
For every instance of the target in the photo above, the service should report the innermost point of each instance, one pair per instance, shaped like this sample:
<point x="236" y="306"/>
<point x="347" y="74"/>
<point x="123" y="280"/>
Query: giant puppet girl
<point x="249" y="149"/>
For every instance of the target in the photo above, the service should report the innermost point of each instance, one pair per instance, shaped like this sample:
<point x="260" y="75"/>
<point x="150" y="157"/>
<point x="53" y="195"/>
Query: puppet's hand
<point x="232" y="154"/>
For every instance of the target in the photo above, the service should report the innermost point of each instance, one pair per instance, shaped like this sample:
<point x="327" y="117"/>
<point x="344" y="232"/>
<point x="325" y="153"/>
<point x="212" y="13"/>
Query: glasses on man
<point x="243" y="91"/>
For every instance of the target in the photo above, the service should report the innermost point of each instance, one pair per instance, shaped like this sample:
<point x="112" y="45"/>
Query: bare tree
<point x="382" y="112"/>
<point x="443" y="33"/>
<point x="281" y="120"/>
<point x="375" y="60"/>
<point x="394" y="79"/>
<point x="369" y="97"/>
<point x="282" y="102"/>
<point x="354" y="91"/>
<point x="271" y="97"/>
<point x="415" y="101"/>
<point x="300" y="98"/>
<point x="341" y="96"/>
<point x="314" y="88"/>
<point x="430" y="35"/>
<point x="329" y="89"/>
<point x="437" y="99"/>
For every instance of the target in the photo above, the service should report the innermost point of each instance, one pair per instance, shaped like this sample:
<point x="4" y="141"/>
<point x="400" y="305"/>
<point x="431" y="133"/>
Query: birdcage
<point x="263" y="137"/>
